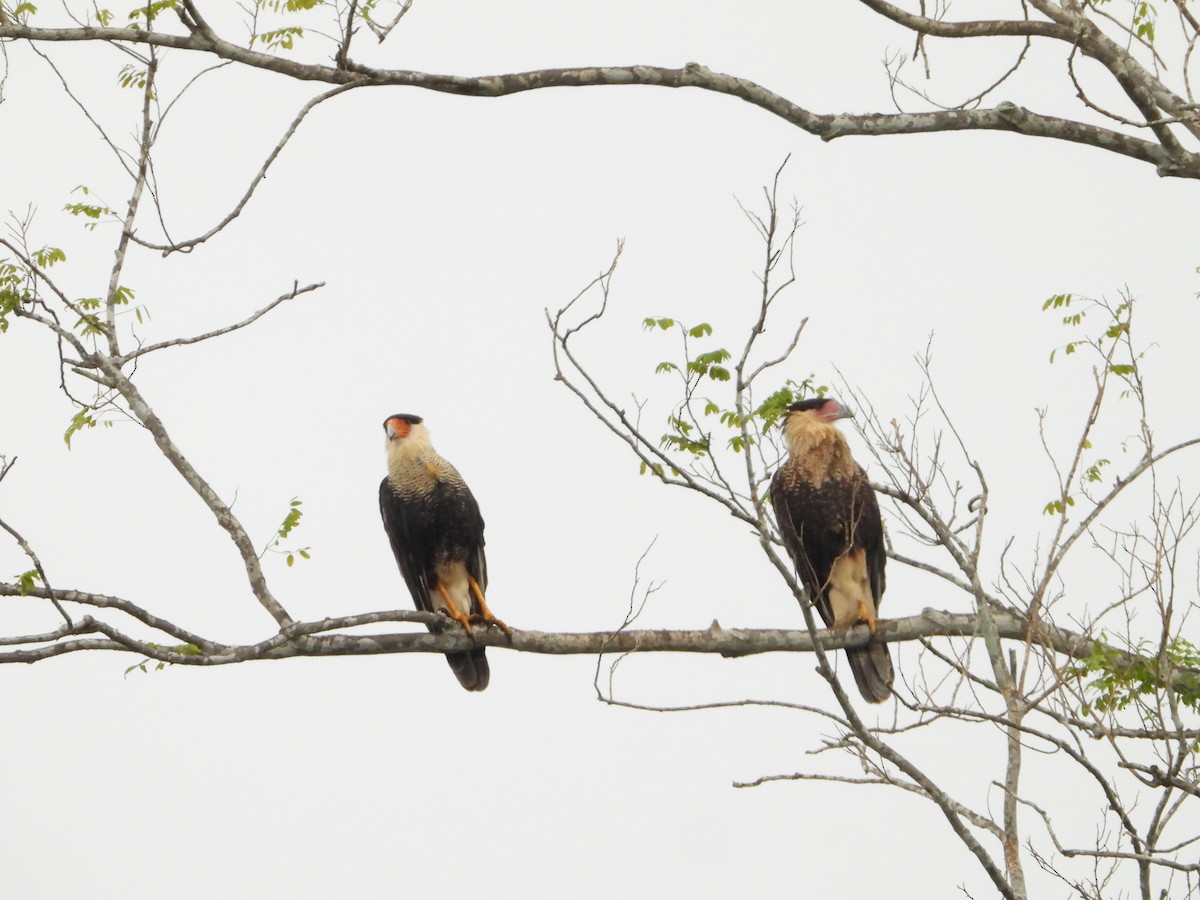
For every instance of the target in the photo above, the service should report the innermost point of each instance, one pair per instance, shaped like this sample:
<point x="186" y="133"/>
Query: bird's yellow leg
<point x="485" y="614"/>
<point x="866" y="614"/>
<point x="452" y="610"/>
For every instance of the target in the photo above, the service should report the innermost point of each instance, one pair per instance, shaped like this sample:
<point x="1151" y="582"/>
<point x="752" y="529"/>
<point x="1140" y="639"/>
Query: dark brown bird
<point x="829" y="521"/>
<point x="436" y="531"/>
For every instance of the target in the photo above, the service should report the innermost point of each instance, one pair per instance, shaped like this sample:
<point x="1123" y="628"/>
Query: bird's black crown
<point x="811" y="403"/>
<point x="407" y="417"/>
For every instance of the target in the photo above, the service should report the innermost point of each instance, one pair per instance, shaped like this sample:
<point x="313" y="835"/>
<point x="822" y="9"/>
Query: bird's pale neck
<point x="818" y="447"/>
<point x="411" y="454"/>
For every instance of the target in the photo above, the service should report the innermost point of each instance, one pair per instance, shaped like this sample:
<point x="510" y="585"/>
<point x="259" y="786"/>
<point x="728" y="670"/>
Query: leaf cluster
<point x="1116" y="680"/>
<point x="290" y="523"/>
<point x="18" y="283"/>
<point x="13" y="291"/>
<point x="1112" y="346"/>
<point x="1143" y="17"/>
<point x="279" y="38"/>
<point x="83" y="419"/>
<point x="688" y="432"/>
<point x="93" y="211"/>
<point x="1074" y="318"/>
<point x="149" y="12"/>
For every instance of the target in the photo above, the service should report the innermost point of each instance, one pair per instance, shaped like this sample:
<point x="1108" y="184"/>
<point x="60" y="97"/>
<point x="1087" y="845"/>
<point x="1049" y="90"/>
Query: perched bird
<point x="436" y="531"/>
<point x="829" y="521"/>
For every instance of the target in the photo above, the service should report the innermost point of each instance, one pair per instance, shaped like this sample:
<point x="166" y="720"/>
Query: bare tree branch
<point x="1005" y="116"/>
<point x="295" y="292"/>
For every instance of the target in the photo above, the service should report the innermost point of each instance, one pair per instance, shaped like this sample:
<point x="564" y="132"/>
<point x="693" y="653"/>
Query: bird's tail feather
<point x="470" y="668"/>
<point x="872" y="668"/>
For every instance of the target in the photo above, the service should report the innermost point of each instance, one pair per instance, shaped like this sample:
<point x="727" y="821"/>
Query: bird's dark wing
<point x="472" y="531"/>
<point x="868" y="534"/>
<point x="466" y="523"/>
<point x="813" y="527"/>
<point x="443" y="523"/>
<point x="411" y="543"/>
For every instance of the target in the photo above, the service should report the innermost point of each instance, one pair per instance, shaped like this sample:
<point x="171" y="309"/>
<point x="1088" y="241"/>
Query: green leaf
<point x="79" y="421"/>
<point x="650" y="323"/>
<point x="700" y="330"/>
<point x="775" y="406"/>
<point x="1092" y="473"/>
<point x="280" y="38"/>
<point x="27" y="581"/>
<point x="289" y="5"/>
<point x="1057" y="302"/>
<point x="679" y="425"/>
<point x="292" y="520"/>
<point x="48" y="256"/>
<point x="151" y="10"/>
<point x="89" y="324"/>
<point x="713" y="356"/>
<point x="131" y="77"/>
<point x="89" y="210"/>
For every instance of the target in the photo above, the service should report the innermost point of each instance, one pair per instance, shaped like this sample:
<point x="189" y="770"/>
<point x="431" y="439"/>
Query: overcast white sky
<point x="443" y="227"/>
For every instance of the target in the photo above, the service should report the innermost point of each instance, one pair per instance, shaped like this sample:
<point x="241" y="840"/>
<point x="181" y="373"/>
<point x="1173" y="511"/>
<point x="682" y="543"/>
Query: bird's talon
<point x="491" y="622"/>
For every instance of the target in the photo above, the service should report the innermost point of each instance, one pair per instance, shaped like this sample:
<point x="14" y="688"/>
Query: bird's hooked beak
<point x="844" y="412"/>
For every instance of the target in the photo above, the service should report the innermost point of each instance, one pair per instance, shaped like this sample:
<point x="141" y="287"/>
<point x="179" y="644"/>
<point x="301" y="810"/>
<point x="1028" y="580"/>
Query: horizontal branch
<point x="983" y="28"/>
<point x="1004" y="116"/>
<point x="312" y="639"/>
<point x="104" y="601"/>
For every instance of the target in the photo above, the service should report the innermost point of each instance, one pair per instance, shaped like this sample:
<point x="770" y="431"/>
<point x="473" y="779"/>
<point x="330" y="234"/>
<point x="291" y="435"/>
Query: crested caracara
<point x="436" y="531"/>
<point x="829" y="521"/>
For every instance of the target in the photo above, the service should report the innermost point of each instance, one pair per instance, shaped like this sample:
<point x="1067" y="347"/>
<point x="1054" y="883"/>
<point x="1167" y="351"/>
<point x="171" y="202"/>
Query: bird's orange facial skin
<point x="401" y="427"/>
